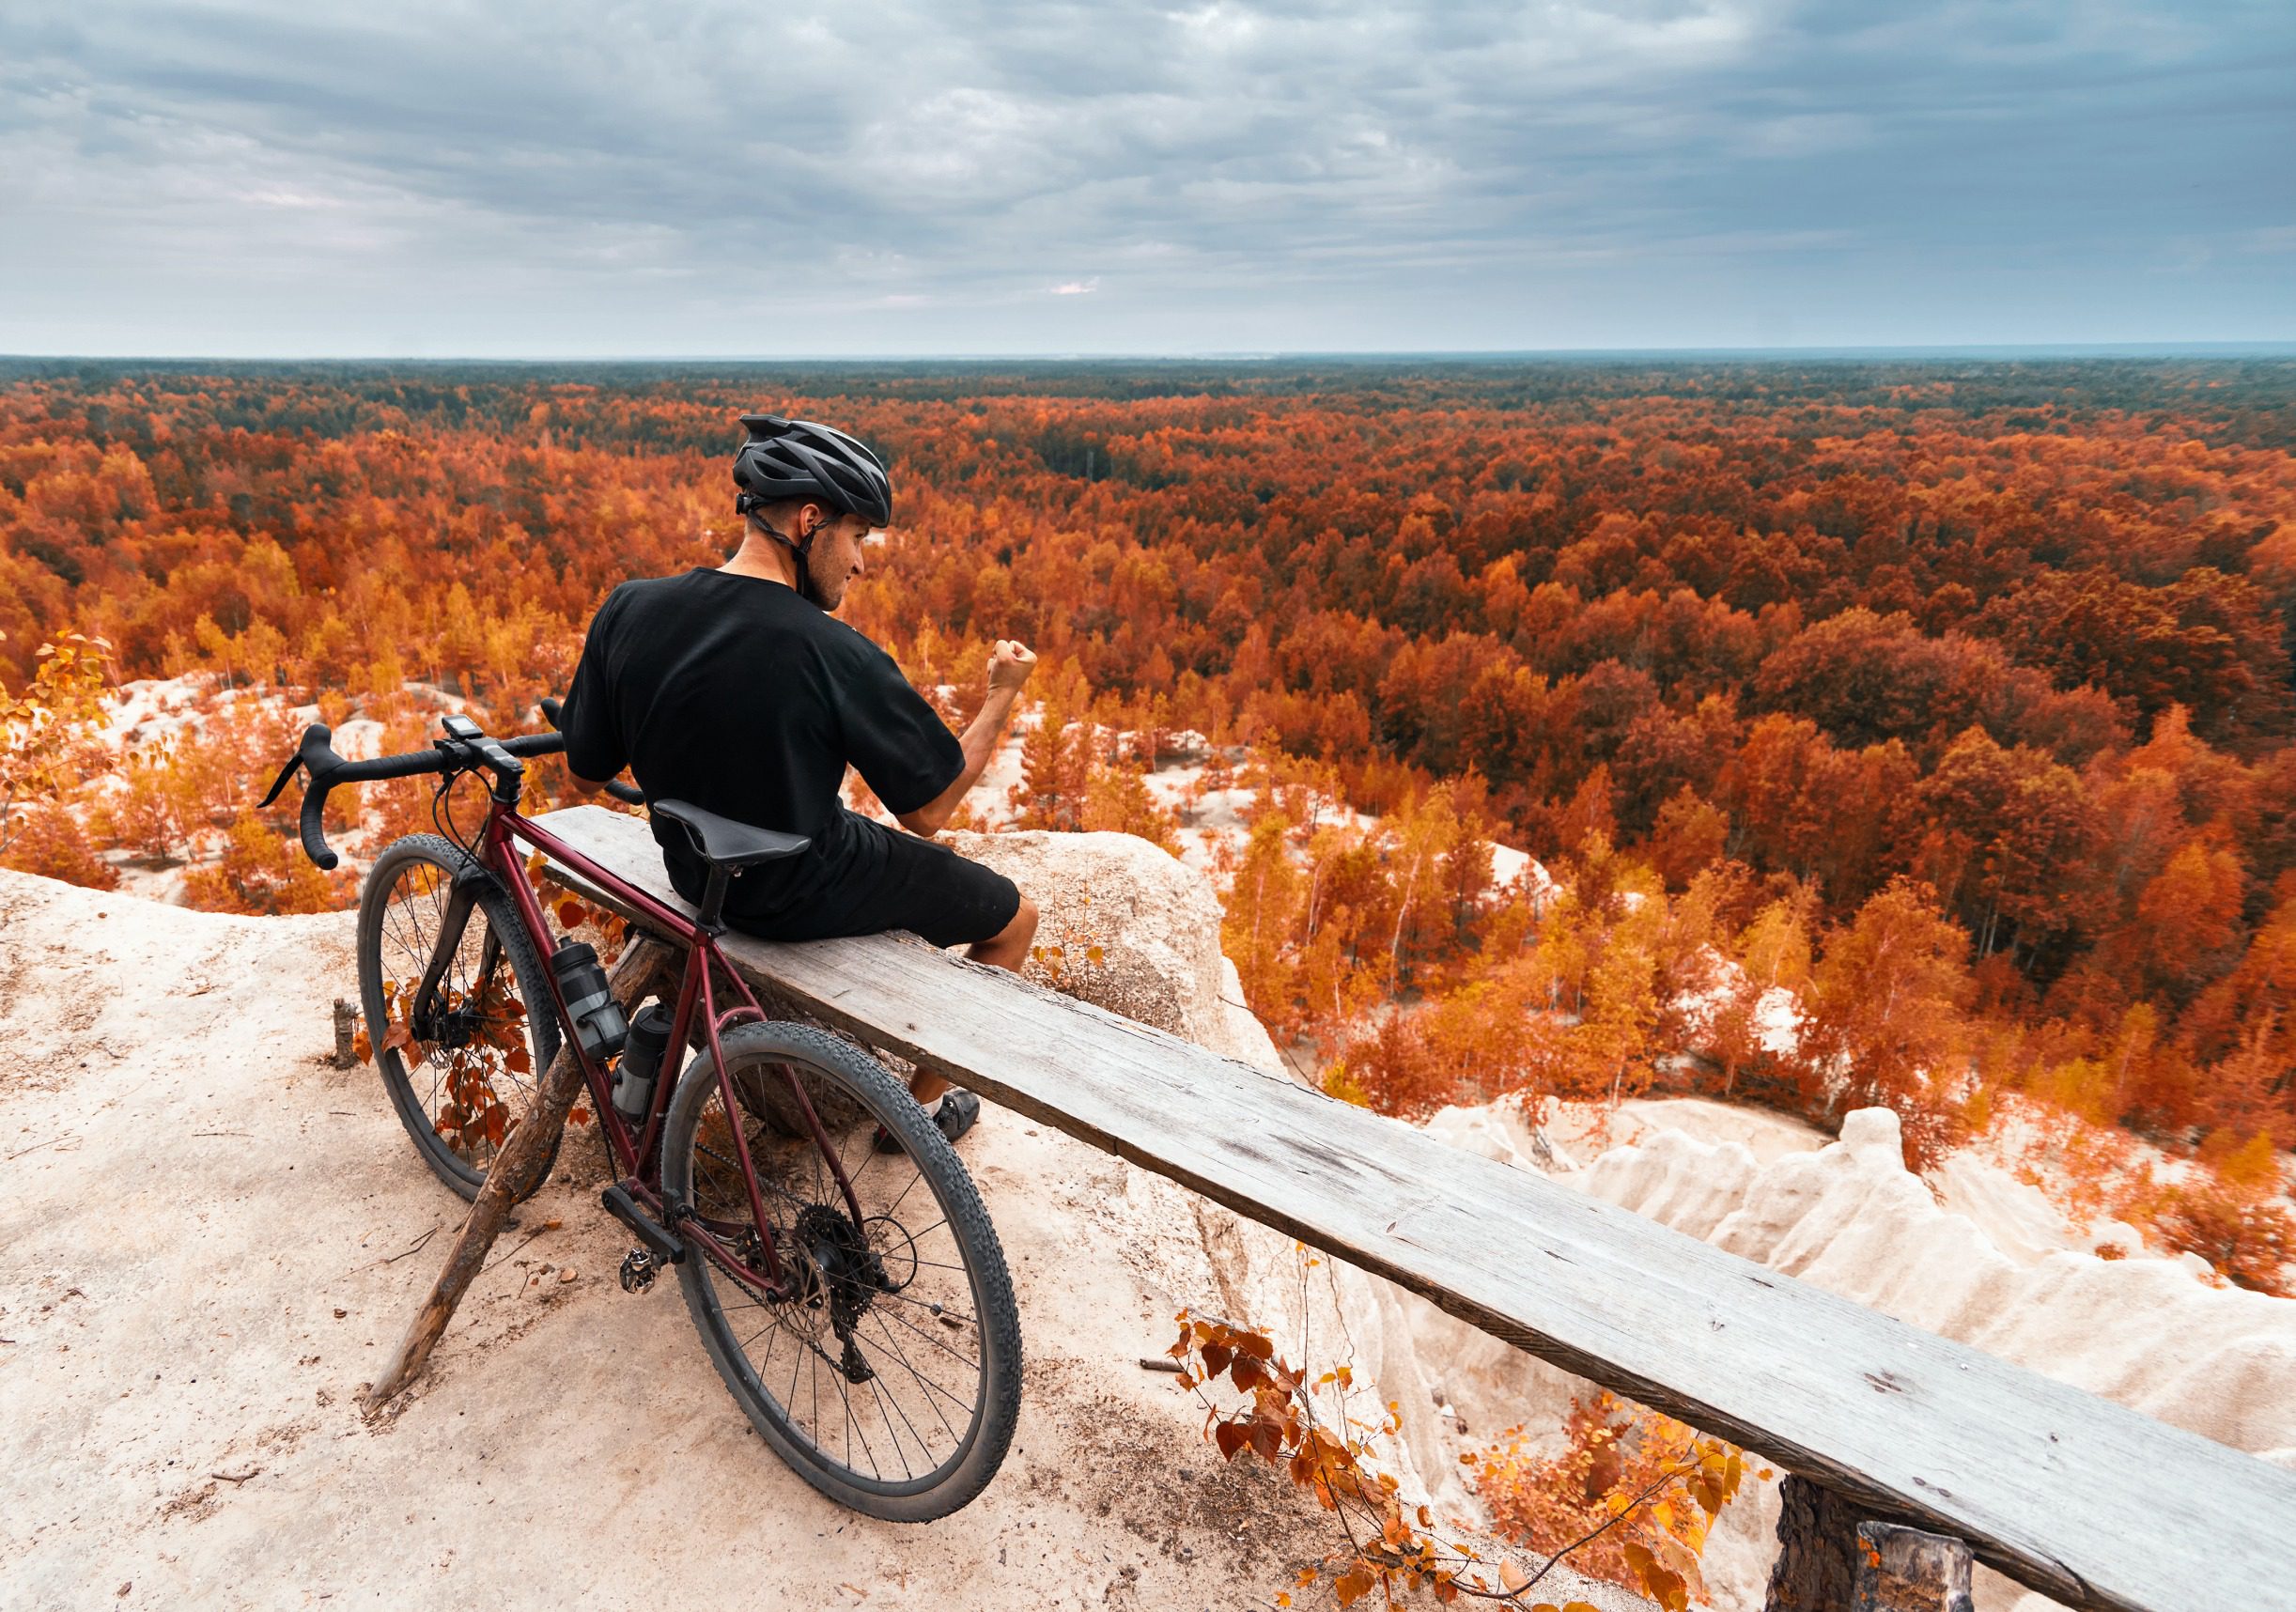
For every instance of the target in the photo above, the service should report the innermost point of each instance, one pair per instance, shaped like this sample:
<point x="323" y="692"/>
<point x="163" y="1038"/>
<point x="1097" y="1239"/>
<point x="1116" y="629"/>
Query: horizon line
<point x="2273" y="348"/>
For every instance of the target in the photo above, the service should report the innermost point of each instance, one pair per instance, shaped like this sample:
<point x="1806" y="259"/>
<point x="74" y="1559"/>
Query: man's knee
<point x="1023" y="929"/>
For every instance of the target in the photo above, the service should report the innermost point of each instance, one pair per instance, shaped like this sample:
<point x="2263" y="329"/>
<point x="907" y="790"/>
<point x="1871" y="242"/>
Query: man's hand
<point x="1009" y="665"/>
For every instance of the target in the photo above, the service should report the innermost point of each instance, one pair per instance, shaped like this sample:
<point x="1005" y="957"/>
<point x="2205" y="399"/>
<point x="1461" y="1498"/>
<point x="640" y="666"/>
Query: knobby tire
<point x="917" y="1342"/>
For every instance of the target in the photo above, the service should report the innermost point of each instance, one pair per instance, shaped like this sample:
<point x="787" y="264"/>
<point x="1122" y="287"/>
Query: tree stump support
<point x="1816" y="1569"/>
<point x="517" y="1172"/>
<point x="1832" y="1558"/>
<point x="1905" y="1570"/>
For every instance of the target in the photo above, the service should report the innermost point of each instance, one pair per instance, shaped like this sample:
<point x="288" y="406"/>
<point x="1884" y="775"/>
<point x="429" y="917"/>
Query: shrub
<point x="261" y="872"/>
<point x="1606" y="1499"/>
<point x="50" y="841"/>
<point x="2247" y="1239"/>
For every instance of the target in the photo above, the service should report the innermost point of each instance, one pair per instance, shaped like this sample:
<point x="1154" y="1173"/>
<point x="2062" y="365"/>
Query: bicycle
<point x="757" y="1171"/>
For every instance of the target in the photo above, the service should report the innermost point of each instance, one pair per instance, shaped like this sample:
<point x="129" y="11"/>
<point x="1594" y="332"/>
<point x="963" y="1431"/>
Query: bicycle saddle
<point x="725" y="843"/>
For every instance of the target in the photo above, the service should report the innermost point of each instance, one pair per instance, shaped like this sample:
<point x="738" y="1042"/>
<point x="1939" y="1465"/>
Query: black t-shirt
<point x="736" y="694"/>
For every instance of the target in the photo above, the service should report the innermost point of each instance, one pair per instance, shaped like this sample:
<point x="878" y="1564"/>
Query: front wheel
<point x="464" y="1067"/>
<point x="888" y="1372"/>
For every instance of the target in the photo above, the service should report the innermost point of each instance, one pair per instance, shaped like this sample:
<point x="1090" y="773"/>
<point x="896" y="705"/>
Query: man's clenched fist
<point x="1010" y="663"/>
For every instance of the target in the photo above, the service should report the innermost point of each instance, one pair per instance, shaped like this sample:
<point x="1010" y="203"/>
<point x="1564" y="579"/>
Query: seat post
<point x="711" y="916"/>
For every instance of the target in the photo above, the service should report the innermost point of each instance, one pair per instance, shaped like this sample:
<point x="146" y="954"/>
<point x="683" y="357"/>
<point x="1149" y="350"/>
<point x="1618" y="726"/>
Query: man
<point x="737" y="691"/>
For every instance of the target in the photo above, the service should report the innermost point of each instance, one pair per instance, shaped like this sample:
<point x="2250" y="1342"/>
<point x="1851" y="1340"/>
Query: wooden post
<point x="1818" y="1552"/>
<point x="345" y="1031"/>
<point x="517" y="1170"/>
<point x="1905" y="1570"/>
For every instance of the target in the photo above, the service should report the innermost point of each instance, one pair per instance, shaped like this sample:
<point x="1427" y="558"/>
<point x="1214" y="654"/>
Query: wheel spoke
<point x="464" y="1069"/>
<point x="910" y="1366"/>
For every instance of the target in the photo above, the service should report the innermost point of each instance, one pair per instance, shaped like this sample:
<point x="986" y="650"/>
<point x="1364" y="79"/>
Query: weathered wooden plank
<point x="2093" y="1504"/>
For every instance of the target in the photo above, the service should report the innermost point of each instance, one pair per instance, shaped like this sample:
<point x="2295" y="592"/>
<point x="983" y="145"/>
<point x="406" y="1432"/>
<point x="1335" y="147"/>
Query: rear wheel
<point x="888" y="1374"/>
<point x="464" y="1069"/>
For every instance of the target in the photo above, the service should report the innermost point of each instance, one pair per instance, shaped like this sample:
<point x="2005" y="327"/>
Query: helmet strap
<point x="802" y="550"/>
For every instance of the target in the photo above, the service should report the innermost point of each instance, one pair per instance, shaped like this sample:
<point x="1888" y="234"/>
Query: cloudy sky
<point x="510" y="178"/>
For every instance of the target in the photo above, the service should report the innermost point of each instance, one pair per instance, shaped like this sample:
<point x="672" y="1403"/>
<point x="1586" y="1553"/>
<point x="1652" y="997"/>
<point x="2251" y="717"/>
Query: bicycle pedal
<point x="639" y="1269"/>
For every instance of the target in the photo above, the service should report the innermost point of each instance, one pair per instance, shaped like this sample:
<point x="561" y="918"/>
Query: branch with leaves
<point x="1653" y="1518"/>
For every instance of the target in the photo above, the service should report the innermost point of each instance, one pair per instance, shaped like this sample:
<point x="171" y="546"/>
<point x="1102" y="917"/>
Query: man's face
<point x="835" y="558"/>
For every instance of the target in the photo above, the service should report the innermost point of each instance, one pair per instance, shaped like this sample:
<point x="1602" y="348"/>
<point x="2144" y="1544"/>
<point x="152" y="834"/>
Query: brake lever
<point x="279" y="784"/>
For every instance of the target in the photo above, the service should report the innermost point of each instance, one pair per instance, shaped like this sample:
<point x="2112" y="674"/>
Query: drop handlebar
<point x="316" y="756"/>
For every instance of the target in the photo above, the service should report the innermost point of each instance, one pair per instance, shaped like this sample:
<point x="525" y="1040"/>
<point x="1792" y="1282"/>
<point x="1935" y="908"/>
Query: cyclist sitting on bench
<point x="737" y="691"/>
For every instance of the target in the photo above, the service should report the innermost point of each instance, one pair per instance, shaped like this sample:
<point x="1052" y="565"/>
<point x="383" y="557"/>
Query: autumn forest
<point x="1915" y="733"/>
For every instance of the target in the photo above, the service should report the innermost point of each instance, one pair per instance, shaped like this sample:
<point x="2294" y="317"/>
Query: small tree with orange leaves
<point x="1633" y="1491"/>
<point x="48" y="748"/>
<point x="261" y="872"/>
<point x="1885" y="1022"/>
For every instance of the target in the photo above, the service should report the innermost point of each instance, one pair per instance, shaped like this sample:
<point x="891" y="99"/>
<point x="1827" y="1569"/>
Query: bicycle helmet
<point x="797" y="458"/>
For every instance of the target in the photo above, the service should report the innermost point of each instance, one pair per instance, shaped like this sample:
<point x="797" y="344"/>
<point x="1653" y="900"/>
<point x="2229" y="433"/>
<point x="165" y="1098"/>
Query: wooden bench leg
<point x="1830" y="1559"/>
<point x="1816" y="1569"/>
<point x="1905" y="1570"/>
<point x="517" y="1170"/>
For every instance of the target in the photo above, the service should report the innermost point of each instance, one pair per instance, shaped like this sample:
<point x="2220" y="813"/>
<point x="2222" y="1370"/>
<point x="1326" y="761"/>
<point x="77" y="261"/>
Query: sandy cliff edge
<point x="210" y="1239"/>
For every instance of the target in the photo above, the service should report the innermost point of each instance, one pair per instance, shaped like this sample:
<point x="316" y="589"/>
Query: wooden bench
<point x="2093" y="1504"/>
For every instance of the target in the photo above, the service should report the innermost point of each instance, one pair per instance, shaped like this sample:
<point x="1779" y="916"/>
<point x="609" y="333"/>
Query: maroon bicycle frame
<point x="505" y="828"/>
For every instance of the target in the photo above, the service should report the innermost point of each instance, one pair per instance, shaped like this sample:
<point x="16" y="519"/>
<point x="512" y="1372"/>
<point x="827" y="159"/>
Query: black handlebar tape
<point x="314" y="831"/>
<point x="409" y="766"/>
<point x="326" y="768"/>
<point x="318" y="758"/>
<point x="554" y="712"/>
<point x="629" y="792"/>
<point x="536" y="744"/>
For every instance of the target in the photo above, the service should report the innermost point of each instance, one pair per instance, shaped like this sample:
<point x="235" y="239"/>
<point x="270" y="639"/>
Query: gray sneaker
<point x="958" y="1112"/>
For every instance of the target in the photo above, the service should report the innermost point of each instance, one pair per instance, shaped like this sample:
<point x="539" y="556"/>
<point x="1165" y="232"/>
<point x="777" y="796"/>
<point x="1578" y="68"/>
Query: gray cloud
<point x="710" y="178"/>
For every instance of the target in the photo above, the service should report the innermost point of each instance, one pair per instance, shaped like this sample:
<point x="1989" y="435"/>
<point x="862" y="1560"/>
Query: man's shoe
<point x="958" y="1112"/>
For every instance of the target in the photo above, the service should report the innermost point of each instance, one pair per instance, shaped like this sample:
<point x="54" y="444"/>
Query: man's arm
<point x="1009" y="666"/>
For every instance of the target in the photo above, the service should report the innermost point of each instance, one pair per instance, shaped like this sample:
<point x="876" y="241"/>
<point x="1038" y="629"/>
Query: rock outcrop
<point x="1129" y="928"/>
<point x="210" y="1237"/>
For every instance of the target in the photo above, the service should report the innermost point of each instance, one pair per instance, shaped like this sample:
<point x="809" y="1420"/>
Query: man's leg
<point x="1006" y="949"/>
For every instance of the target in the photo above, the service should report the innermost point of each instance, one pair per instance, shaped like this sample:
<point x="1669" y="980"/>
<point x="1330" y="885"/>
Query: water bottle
<point x="596" y="1018"/>
<point x="633" y="1081"/>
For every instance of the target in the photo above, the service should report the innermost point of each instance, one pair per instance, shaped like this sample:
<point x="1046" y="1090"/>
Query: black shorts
<point x="925" y="889"/>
